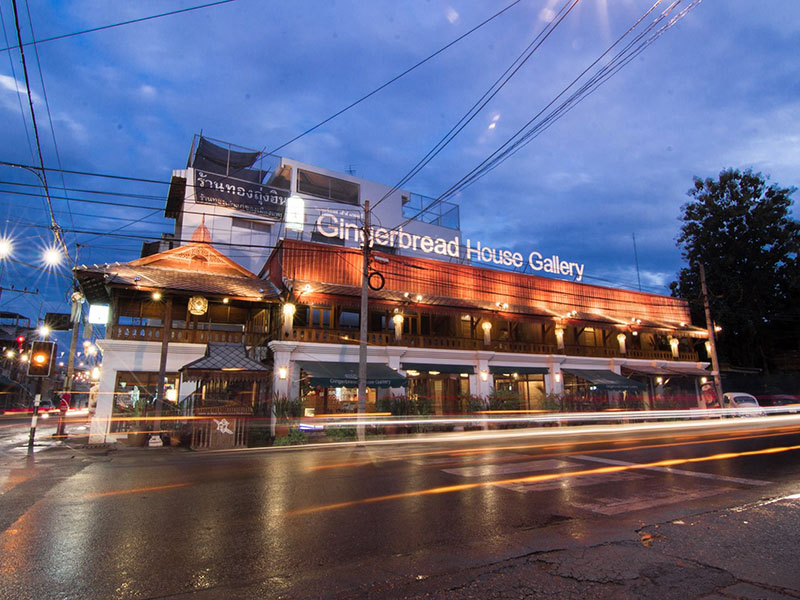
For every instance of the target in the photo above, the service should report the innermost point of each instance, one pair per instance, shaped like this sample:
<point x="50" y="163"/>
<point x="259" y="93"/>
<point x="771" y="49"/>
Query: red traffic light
<point x="20" y="339"/>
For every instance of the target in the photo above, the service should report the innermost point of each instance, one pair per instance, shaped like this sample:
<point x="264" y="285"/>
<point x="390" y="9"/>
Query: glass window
<point x="324" y="186"/>
<point x="320" y="317"/>
<point x="349" y="319"/>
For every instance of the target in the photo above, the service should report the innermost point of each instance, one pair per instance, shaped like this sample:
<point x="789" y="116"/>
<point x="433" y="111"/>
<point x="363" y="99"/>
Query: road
<point x="688" y="511"/>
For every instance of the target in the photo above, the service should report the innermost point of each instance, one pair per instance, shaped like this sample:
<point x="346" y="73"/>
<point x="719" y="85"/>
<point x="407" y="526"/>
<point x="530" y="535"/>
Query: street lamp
<point x="52" y="256"/>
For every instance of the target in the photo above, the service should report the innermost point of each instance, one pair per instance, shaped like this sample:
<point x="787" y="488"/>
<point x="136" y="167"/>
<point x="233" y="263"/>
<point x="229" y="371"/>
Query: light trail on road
<point x="539" y="478"/>
<point x="640" y="445"/>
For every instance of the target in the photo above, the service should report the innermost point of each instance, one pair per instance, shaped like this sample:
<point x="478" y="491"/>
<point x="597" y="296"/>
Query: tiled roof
<point x="95" y="279"/>
<point x="195" y="267"/>
<point x="228" y="357"/>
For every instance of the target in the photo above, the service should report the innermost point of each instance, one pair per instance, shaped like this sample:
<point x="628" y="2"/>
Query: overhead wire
<point x="477" y="172"/>
<point x="41" y="172"/>
<point x="119" y="24"/>
<point x="47" y="107"/>
<point x="397" y="77"/>
<point x="487" y="97"/>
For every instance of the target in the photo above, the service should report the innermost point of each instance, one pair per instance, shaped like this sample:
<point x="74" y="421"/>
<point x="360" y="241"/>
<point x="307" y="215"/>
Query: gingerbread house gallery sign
<point x="332" y="226"/>
<point x="259" y="199"/>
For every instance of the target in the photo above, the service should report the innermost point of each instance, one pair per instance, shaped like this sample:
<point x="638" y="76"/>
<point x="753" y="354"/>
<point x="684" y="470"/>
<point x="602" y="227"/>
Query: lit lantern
<point x="398" y="326"/>
<point x="673" y="343"/>
<point x="288" y="318"/>
<point x="198" y="305"/>
<point x="487" y="333"/>
<point x="621" y="339"/>
<point x="560" y="338"/>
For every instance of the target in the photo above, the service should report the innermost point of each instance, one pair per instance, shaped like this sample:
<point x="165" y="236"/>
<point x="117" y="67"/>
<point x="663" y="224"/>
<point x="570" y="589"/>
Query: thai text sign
<point x="220" y="190"/>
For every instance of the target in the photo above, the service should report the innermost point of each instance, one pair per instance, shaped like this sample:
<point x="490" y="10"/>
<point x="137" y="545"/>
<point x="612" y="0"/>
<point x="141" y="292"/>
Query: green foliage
<point x="287" y="409"/>
<point x="552" y="402"/>
<point x="340" y="434"/>
<point x="295" y="438"/>
<point x="404" y="406"/>
<point x="740" y="229"/>
<point x="472" y="404"/>
<point x="503" y="400"/>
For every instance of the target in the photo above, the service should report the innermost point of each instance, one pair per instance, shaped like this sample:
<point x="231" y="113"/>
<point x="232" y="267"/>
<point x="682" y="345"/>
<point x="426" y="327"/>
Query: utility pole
<point x="362" y="346"/>
<point x="77" y="304"/>
<point x="712" y="343"/>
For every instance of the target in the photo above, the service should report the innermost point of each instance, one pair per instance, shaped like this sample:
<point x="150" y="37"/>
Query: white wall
<point x="136" y="356"/>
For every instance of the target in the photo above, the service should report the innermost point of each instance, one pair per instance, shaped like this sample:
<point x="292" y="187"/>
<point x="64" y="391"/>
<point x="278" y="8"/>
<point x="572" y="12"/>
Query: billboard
<point x="220" y="190"/>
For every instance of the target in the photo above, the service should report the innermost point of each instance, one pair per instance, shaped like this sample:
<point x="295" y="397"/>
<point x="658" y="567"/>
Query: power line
<point x="120" y="24"/>
<point x="493" y="90"/>
<point x="391" y="81"/>
<point x="41" y="172"/>
<point x="520" y="136"/>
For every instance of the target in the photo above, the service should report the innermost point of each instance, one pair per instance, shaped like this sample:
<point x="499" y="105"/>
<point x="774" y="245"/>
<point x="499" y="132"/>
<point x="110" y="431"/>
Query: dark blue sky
<point x="717" y="90"/>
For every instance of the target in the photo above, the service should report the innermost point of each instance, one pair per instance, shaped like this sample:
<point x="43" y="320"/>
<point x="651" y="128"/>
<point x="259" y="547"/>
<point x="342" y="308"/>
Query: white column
<point x="100" y="424"/>
<point x="484" y="379"/>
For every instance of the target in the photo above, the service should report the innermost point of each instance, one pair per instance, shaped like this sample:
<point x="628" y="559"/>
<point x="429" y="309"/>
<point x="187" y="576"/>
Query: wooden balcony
<point x="350" y="336"/>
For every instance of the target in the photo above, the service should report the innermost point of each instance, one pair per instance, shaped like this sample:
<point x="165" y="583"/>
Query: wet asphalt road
<point x="561" y="516"/>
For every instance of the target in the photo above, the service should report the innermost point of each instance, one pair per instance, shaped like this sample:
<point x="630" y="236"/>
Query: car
<point x="47" y="408"/>
<point x="781" y="403"/>
<point x="741" y="404"/>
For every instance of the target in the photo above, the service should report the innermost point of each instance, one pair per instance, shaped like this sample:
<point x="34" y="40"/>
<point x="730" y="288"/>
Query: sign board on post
<point x="58" y="321"/>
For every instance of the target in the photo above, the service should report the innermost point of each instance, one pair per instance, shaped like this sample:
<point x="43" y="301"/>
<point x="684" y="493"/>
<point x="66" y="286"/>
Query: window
<point x="349" y="319"/>
<point x="316" y="236"/>
<point x="320" y="317"/>
<point x="251" y="225"/>
<point x="330" y="188"/>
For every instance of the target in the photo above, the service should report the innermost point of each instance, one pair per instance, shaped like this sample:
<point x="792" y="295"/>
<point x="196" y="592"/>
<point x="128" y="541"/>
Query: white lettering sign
<point x="331" y="226"/>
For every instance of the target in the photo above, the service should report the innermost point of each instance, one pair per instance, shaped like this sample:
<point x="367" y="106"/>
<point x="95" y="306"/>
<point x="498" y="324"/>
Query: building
<point x="256" y="297"/>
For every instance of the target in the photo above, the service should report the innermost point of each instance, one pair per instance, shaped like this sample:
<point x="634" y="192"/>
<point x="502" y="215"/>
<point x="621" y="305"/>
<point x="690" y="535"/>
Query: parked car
<point x="741" y="404"/>
<point x="781" y="403"/>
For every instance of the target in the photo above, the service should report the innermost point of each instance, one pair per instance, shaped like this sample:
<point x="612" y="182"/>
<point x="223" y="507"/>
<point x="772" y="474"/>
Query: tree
<point x="741" y="230"/>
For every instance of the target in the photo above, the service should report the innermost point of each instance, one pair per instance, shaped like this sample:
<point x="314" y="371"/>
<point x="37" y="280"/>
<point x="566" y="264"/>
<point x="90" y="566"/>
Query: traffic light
<point x="20" y="342"/>
<point x="41" y="360"/>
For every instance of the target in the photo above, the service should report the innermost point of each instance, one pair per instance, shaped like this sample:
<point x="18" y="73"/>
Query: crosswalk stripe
<point x="740" y="480"/>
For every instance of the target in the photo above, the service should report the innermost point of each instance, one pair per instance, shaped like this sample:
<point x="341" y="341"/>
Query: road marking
<point x="155" y="488"/>
<point x="574" y="482"/>
<point x="610" y="461"/>
<point x="523" y="467"/>
<point x="631" y="503"/>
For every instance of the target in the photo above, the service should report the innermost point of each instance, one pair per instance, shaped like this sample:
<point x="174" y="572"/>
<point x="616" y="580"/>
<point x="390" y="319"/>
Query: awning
<point x="427" y="367"/>
<point x="688" y="371"/>
<point x="326" y="374"/>
<point x="606" y="379"/>
<point x="647" y="370"/>
<point x="501" y="370"/>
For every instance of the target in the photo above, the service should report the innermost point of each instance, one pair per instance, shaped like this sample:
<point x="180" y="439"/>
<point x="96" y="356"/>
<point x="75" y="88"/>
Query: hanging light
<point x="198" y="305"/>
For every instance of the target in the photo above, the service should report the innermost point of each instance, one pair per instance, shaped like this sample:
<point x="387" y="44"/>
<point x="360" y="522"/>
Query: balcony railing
<point x="188" y="336"/>
<point x="350" y="336"/>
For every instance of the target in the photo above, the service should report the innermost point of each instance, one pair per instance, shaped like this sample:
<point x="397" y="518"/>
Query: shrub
<point x="340" y="434"/>
<point x="295" y="438"/>
<point x="503" y="400"/>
